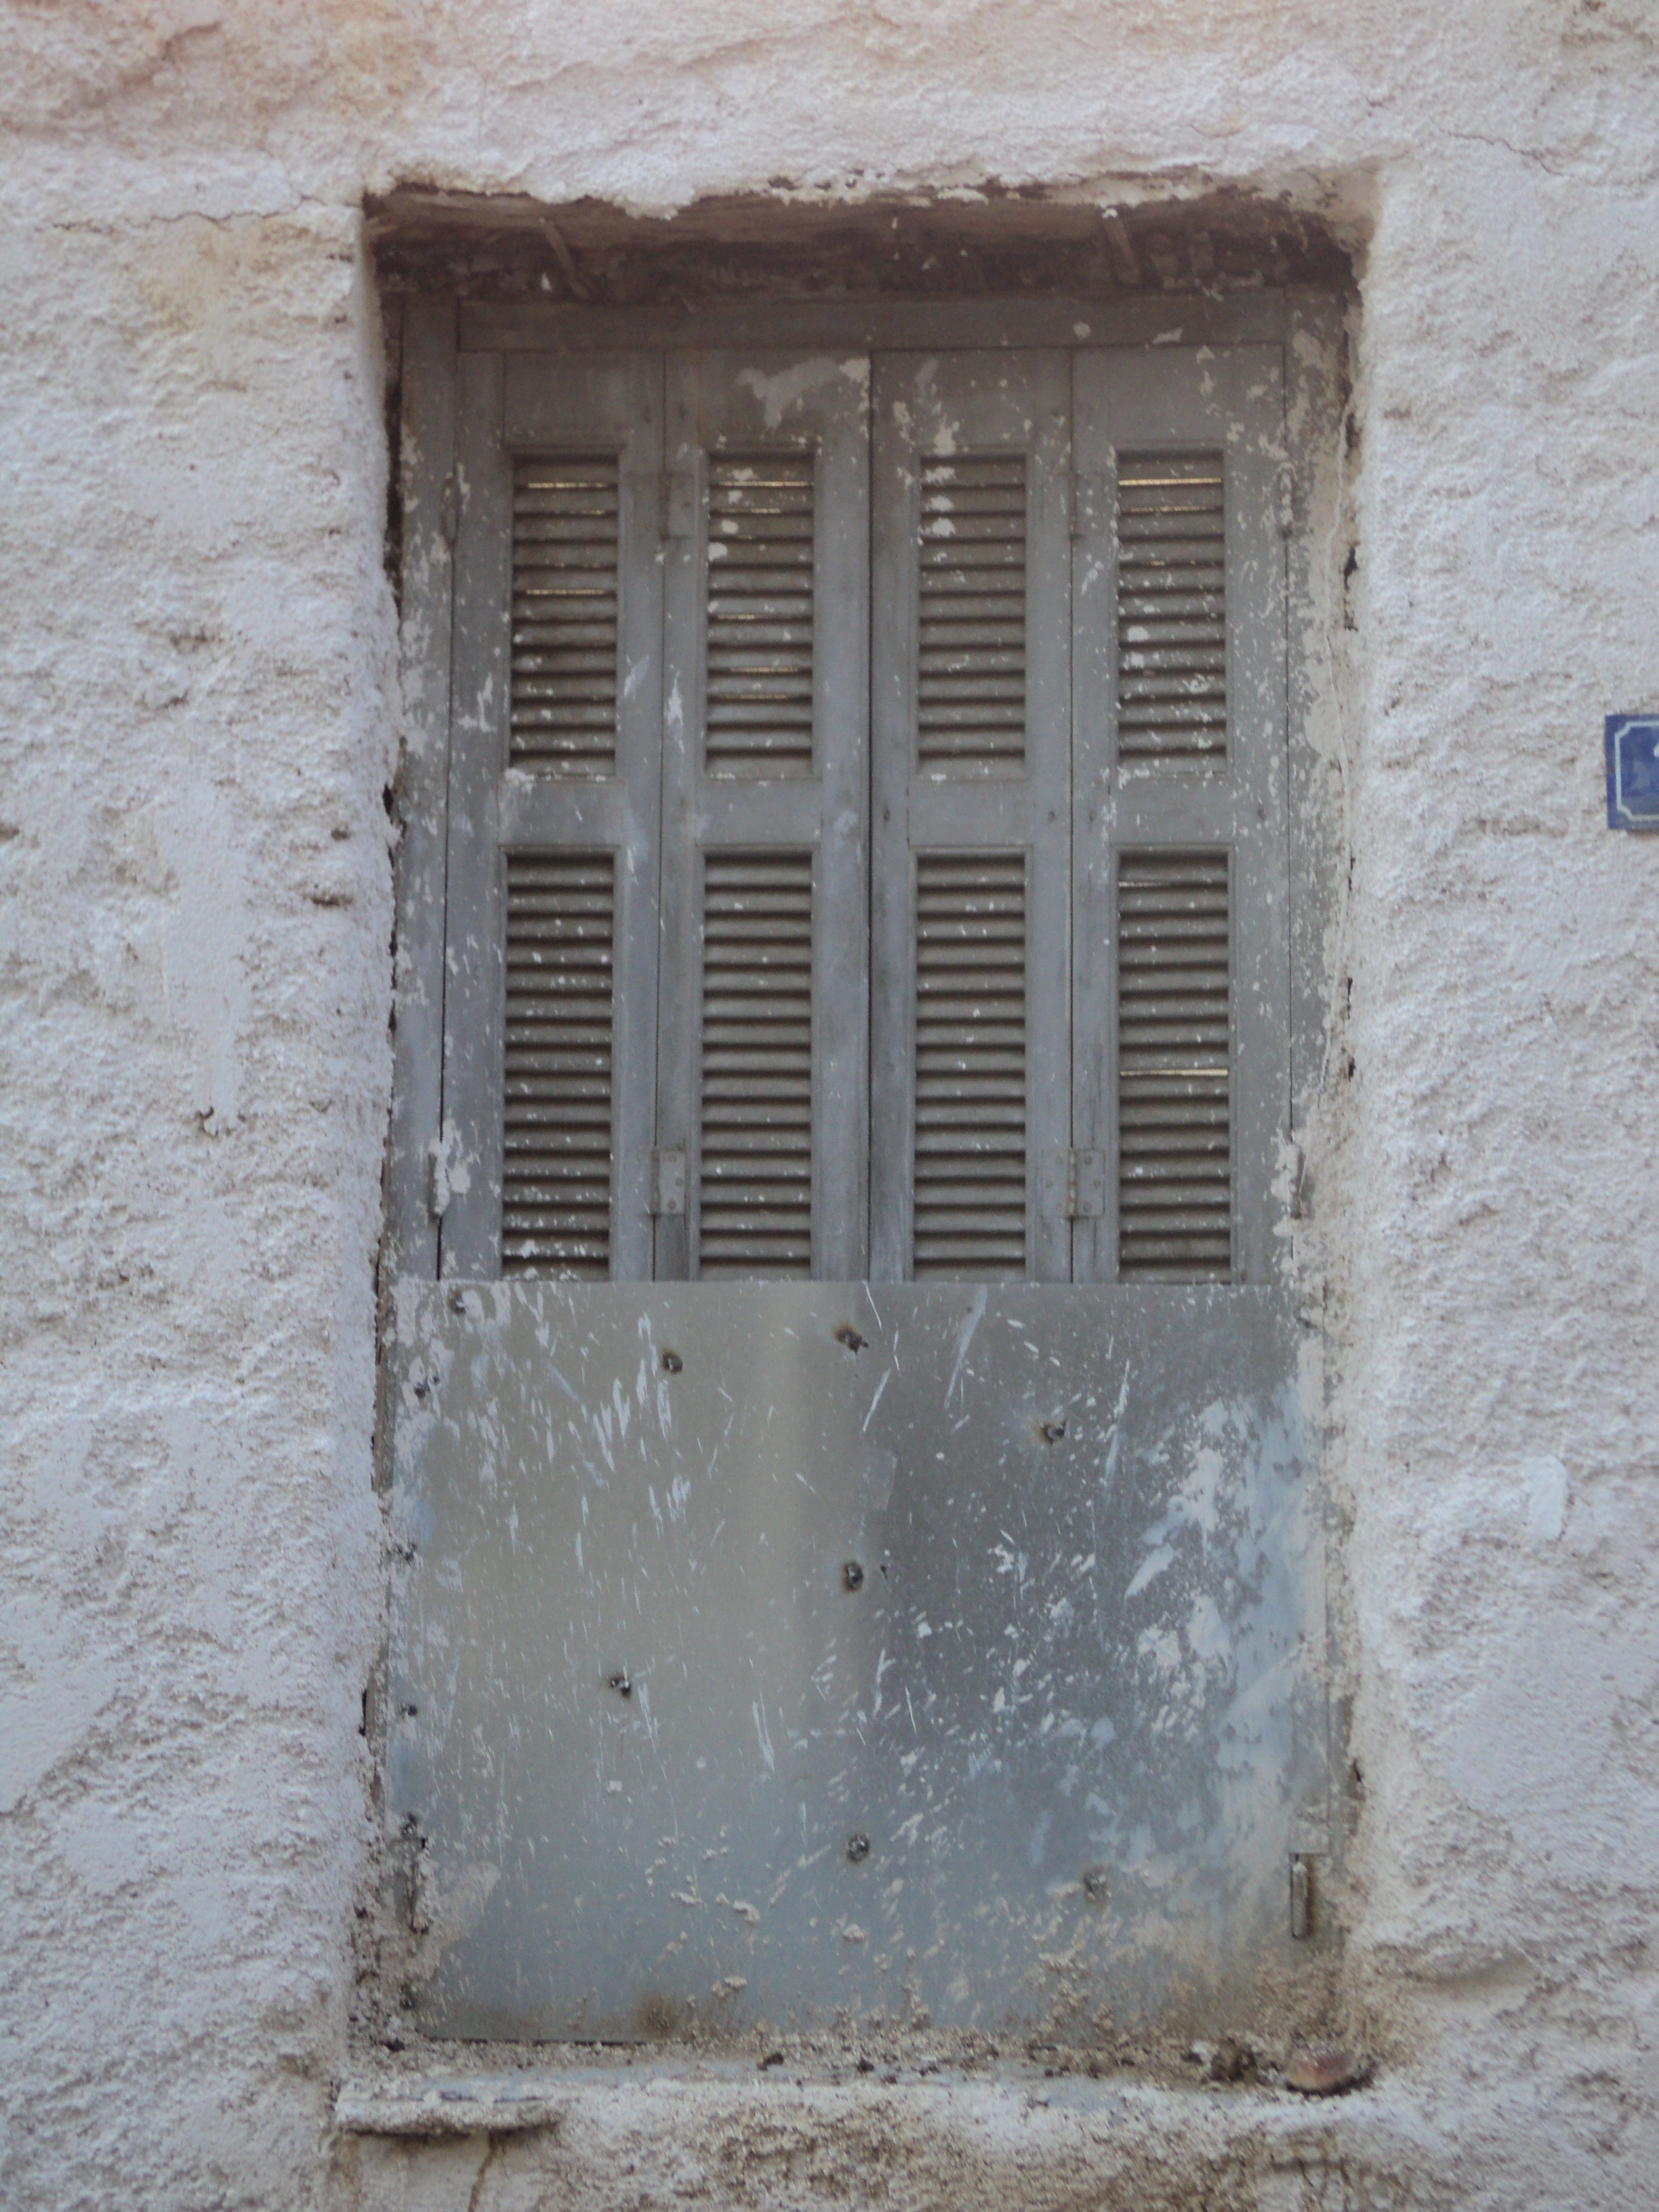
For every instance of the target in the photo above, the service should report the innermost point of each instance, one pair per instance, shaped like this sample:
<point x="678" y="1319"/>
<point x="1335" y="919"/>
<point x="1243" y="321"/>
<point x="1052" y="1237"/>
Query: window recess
<point x="863" y="969"/>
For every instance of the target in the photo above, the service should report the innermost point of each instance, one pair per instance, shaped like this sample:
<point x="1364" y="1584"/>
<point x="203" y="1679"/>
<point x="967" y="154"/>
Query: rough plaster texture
<point x="199" y="718"/>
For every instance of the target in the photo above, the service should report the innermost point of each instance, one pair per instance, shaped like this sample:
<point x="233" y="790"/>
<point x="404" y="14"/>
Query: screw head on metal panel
<point x="852" y="1575"/>
<point x="858" y="1847"/>
<point x="672" y="1363"/>
<point x="1052" y="1432"/>
<point x="620" y="1683"/>
<point x="1096" y="1884"/>
<point x="848" y="1335"/>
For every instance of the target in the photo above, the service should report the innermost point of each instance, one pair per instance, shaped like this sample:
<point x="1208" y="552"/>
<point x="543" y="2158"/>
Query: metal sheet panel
<point x="781" y="1650"/>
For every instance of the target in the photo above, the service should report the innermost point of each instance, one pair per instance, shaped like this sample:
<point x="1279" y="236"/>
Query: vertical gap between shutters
<point x="759" y="658"/>
<point x="556" y="1116"/>
<point x="564" y="720"/>
<point x="1174" y="1061"/>
<point x="969" y="1145"/>
<point x="1171" y="607"/>
<point x="755" y="1178"/>
<point x="971" y="717"/>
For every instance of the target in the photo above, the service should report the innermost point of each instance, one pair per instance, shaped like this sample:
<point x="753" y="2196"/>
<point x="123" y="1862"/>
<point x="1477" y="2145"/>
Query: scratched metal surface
<point x="1074" y="1703"/>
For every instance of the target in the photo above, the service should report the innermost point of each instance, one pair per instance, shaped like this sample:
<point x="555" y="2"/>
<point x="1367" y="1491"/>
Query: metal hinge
<point x="1091" y="503"/>
<point x="668" y="1184"/>
<point x="1076" y="1184"/>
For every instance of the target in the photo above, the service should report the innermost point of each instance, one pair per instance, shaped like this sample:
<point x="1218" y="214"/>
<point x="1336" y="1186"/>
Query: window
<point x="853" y="1482"/>
<point x="867" y="817"/>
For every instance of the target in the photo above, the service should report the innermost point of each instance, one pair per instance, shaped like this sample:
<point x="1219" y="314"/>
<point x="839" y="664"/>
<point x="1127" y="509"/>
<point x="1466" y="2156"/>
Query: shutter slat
<point x="969" y="1146"/>
<point x="1171" y="607"/>
<point x="564" y="614"/>
<point x="758" y="700"/>
<point x="971" y="612"/>
<point x="1174" y="1061"/>
<point x="754" y="1180"/>
<point x="556" y="1107"/>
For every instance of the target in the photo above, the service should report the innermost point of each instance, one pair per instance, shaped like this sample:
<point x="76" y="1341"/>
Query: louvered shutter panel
<point x="565" y="552"/>
<point x="970" y="615"/>
<point x="1171" y="607"/>
<point x="755" y="1151"/>
<point x="1181" y="997"/>
<point x="970" y="1129"/>
<point x="549" y="1031"/>
<point x="561" y="963"/>
<point x="759" y="657"/>
<point x="971" y="985"/>
<point x="1173" y="1068"/>
<point x="763" y="1026"/>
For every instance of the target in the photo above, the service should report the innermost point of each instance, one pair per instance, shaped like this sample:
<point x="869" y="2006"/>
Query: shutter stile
<point x="1174" y="1061"/>
<point x="755" y="1182"/>
<point x="555" y="1198"/>
<point x="1171" y="608"/>
<point x="759" y="656"/>
<point x="969" y="1203"/>
<point x="971" y="612"/>
<point x="564" y="614"/>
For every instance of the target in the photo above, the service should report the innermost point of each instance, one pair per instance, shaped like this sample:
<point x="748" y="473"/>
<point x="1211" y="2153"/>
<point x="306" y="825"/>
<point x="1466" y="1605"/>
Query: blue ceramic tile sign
<point x="1632" y="744"/>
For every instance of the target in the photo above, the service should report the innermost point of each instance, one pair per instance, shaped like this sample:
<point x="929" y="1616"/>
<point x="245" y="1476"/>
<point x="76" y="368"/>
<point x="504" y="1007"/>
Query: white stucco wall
<point x="199" y="717"/>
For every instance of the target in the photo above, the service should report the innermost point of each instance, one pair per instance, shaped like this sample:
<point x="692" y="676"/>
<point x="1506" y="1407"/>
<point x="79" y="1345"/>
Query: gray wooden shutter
<point x="764" y="1091"/>
<point x="1181" y="997"/>
<point x="554" y="795"/>
<point x="971" y="861"/>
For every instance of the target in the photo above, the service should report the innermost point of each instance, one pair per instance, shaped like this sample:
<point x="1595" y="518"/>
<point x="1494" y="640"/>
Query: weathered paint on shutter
<point x="565" y="553"/>
<point x="766" y="775"/>
<point x="755" y="1198"/>
<point x="970" y="1178"/>
<point x="972" y="803"/>
<point x="1173" y="1068"/>
<point x="759" y="663"/>
<point x="549" y="772"/>
<point x="556" y="1079"/>
<point x="1179" y="722"/>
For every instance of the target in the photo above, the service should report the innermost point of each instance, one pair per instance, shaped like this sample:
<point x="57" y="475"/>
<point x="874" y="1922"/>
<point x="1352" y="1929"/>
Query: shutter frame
<point x="542" y="405"/>
<point x="736" y="405"/>
<point x="1176" y="401"/>
<point x="967" y="406"/>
